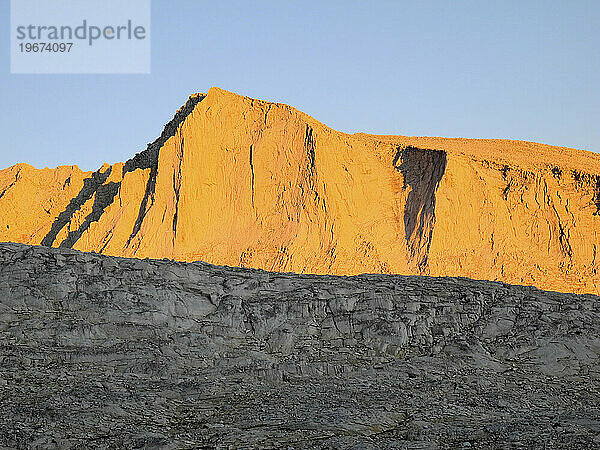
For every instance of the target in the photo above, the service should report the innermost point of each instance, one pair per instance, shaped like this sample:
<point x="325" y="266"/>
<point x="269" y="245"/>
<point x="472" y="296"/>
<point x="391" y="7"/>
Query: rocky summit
<point x="106" y="352"/>
<point x="243" y="182"/>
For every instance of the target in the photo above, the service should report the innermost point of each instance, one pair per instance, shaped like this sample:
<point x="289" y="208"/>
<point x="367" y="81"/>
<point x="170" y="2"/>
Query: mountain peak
<point x="236" y="181"/>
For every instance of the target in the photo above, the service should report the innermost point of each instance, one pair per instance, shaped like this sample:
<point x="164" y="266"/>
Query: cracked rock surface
<point x="104" y="352"/>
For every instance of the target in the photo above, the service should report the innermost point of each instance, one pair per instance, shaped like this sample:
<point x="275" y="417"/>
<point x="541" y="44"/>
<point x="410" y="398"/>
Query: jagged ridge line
<point x="149" y="159"/>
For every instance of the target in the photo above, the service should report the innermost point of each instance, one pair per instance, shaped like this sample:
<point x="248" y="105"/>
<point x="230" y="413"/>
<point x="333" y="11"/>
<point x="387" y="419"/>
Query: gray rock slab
<point x="103" y="352"/>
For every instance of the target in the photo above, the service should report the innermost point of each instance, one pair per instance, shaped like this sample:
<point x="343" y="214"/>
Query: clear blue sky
<point x="512" y="69"/>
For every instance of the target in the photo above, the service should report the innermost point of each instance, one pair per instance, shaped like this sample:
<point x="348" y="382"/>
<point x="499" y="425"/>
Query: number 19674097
<point x="39" y="47"/>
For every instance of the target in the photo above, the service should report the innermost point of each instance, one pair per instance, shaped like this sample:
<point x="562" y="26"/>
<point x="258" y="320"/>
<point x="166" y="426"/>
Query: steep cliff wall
<point x="243" y="182"/>
<point x="103" y="352"/>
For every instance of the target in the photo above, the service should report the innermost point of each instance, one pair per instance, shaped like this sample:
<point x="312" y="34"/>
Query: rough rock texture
<point x="104" y="352"/>
<point x="243" y="182"/>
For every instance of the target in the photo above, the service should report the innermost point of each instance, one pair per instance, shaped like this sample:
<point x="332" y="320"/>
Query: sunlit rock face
<point x="244" y="182"/>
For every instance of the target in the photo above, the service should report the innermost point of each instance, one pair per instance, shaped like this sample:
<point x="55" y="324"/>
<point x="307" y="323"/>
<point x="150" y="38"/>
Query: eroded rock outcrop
<point x="243" y="182"/>
<point x="106" y="352"/>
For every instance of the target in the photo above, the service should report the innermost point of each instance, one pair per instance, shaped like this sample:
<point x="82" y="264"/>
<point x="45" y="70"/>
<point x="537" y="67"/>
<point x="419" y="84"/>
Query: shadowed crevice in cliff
<point x="5" y="190"/>
<point x="309" y="172"/>
<point x="91" y="185"/>
<point x="177" y="187"/>
<point x="309" y="143"/>
<point x="252" y="172"/>
<point x="596" y="199"/>
<point x="311" y="199"/>
<point x="422" y="170"/>
<point x="105" y="195"/>
<point x="148" y="159"/>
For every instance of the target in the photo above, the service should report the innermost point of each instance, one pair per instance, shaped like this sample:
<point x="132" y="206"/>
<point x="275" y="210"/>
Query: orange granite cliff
<point x="244" y="182"/>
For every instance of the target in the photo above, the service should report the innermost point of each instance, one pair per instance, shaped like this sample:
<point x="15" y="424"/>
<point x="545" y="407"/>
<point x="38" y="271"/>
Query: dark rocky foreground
<point x="101" y="352"/>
